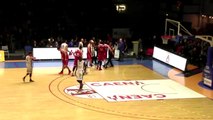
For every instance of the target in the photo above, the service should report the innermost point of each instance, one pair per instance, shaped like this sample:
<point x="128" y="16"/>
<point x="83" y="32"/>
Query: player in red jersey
<point x="65" y="58"/>
<point x="89" y="52"/>
<point x="77" y="54"/>
<point x="101" y="50"/>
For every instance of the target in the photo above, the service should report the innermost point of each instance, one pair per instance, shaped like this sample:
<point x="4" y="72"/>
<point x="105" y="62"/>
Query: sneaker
<point x="31" y="81"/>
<point x="60" y="73"/>
<point x="79" y="91"/>
<point x="72" y="74"/>
<point x="105" y="66"/>
<point x="85" y="73"/>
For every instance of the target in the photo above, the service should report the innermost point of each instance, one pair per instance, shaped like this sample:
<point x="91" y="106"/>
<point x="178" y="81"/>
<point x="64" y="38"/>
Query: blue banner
<point x="208" y="70"/>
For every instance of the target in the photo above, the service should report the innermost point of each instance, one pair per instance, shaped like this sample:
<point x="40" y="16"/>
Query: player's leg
<point x="66" y="66"/>
<point x="85" y="69"/>
<point x="29" y="69"/>
<point x="63" y="66"/>
<point x="99" y="65"/>
<point x="110" y="61"/>
<point x="62" y="70"/>
<point x="30" y="74"/>
<point x="80" y="85"/>
<point x="79" y="77"/>
<point x="68" y="70"/>
<point x="74" y="67"/>
<point x="25" y="77"/>
<point x="90" y="61"/>
<point x="74" y="70"/>
<point x="105" y="63"/>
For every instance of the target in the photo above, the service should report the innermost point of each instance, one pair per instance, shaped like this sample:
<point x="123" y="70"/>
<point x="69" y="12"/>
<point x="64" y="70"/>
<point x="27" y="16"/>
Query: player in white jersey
<point x="29" y="66"/>
<point x="80" y="72"/>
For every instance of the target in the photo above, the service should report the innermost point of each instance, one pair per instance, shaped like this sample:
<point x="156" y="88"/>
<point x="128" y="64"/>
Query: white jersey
<point x="29" y="64"/>
<point x="80" y="65"/>
<point x="80" y="70"/>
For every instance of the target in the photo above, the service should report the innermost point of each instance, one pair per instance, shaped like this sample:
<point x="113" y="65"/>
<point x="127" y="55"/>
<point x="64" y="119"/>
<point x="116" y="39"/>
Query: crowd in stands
<point x="195" y="50"/>
<point x="118" y="44"/>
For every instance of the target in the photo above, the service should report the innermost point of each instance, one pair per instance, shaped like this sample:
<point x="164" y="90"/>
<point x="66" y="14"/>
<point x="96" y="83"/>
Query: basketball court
<point x="131" y="90"/>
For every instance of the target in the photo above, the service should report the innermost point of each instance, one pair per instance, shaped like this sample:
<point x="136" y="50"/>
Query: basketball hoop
<point x="165" y="38"/>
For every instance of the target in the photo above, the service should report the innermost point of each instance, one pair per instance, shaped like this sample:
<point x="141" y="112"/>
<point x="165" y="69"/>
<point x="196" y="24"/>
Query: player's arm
<point x="71" y="52"/>
<point x="33" y="58"/>
<point x="110" y="49"/>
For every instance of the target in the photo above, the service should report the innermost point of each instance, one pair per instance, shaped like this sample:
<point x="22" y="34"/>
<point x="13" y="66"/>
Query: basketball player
<point x="64" y="57"/>
<point x="64" y="45"/>
<point x="100" y="54"/>
<point x="77" y="54"/>
<point x="29" y="66"/>
<point x="80" y="72"/>
<point x="106" y="48"/>
<point x="89" y="52"/>
<point x="111" y="54"/>
<point x="94" y="54"/>
<point x="81" y="43"/>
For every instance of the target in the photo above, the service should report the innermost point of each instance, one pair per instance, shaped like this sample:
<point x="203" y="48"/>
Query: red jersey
<point x="78" y="53"/>
<point x="89" y="51"/>
<point x="101" y="50"/>
<point x="64" y="57"/>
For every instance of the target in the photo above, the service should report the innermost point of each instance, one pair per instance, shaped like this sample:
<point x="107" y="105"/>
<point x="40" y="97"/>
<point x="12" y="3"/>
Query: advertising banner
<point x="208" y="70"/>
<point x="2" y="56"/>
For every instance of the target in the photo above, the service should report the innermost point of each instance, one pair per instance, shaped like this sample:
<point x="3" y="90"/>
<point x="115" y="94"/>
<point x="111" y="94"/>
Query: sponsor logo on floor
<point x="85" y="93"/>
<point x="118" y="91"/>
<point x="114" y="91"/>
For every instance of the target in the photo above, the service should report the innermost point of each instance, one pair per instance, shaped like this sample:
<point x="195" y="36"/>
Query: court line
<point x="107" y="111"/>
<point x="104" y="110"/>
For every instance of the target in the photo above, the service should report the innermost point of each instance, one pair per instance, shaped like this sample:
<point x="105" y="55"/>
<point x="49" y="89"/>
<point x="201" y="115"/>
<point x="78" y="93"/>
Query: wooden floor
<point x="44" y="99"/>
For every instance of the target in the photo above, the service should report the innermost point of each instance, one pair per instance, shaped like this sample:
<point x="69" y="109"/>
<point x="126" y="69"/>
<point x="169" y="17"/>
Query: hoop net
<point x="165" y="38"/>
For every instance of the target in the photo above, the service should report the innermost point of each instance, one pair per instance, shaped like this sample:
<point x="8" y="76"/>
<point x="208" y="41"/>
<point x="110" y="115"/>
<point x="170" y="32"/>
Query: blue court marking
<point x="152" y="64"/>
<point x="157" y="66"/>
<point x="180" y="74"/>
<point x="54" y="63"/>
<point x="127" y="61"/>
<point x="12" y="64"/>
